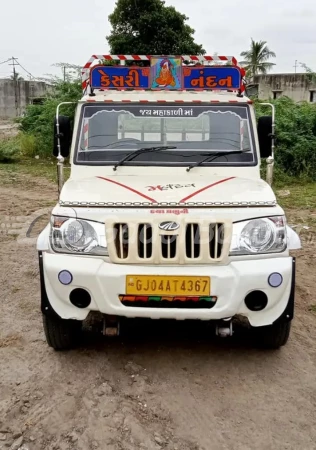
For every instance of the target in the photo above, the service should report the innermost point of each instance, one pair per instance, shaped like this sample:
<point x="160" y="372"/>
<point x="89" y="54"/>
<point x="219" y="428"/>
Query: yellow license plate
<point x="166" y="285"/>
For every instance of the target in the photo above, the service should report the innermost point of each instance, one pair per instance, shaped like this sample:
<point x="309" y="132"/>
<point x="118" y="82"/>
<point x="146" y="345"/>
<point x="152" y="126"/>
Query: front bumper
<point x="105" y="282"/>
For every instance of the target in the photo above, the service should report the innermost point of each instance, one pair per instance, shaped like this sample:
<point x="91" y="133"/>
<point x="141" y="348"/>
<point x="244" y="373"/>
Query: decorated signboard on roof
<point x="119" y="77"/>
<point x="222" y="77"/>
<point x="165" y="72"/>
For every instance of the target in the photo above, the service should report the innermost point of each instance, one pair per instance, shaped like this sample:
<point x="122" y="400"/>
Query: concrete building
<point x="299" y="87"/>
<point x="15" y="96"/>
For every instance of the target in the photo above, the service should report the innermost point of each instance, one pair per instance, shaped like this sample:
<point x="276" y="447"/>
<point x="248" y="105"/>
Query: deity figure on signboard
<point x="166" y="77"/>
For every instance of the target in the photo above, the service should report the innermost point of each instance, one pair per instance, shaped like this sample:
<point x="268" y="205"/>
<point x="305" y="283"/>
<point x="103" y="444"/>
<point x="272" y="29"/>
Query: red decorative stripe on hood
<point x="129" y="188"/>
<point x="185" y="199"/>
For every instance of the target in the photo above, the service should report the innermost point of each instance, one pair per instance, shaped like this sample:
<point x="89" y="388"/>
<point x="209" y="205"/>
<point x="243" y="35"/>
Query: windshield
<point x="109" y="133"/>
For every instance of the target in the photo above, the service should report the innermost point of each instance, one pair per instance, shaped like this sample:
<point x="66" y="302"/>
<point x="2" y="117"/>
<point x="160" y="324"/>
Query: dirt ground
<point x="159" y="386"/>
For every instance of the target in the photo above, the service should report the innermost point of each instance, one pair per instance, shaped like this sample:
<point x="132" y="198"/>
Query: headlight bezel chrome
<point x="275" y="243"/>
<point x="63" y="239"/>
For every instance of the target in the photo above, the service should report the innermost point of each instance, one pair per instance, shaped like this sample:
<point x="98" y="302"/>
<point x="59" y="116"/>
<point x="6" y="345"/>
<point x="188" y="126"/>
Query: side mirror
<point x="64" y="136"/>
<point x="265" y="136"/>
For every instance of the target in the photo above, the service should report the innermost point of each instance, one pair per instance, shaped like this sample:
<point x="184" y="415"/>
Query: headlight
<point x="267" y="235"/>
<point x="78" y="236"/>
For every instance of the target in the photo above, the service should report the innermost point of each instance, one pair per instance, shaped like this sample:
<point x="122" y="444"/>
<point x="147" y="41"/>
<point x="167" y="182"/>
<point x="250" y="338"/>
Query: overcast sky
<point x="41" y="33"/>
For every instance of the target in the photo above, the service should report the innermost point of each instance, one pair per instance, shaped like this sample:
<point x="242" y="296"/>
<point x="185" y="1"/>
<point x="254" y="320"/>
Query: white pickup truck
<point x="165" y="215"/>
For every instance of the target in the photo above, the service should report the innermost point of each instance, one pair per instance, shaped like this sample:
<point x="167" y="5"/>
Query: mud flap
<point x="288" y="313"/>
<point x="46" y="307"/>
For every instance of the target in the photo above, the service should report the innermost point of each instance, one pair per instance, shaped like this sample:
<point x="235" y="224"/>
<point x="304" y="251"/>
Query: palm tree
<point x="257" y="58"/>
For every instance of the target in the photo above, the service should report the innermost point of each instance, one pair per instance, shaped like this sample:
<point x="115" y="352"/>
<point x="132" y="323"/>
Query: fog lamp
<point x="275" y="279"/>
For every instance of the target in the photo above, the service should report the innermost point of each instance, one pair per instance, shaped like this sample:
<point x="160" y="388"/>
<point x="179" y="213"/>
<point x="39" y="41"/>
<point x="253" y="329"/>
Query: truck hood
<point x="150" y="191"/>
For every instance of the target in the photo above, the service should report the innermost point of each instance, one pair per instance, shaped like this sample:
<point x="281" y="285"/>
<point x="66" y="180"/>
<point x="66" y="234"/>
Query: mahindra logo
<point x="169" y="226"/>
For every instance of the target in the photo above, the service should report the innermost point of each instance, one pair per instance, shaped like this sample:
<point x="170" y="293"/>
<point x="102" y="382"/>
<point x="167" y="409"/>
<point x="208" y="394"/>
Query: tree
<point x="148" y="27"/>
<point x="310" y="74"/>
<point x="70" y="72"/>
<point x="257" y="58"/>
<point x="16" y="77"/>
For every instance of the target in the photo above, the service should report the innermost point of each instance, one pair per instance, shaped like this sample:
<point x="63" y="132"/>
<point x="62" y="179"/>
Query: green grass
<point x="36" y="168"/>
<point x="302" y="195"/>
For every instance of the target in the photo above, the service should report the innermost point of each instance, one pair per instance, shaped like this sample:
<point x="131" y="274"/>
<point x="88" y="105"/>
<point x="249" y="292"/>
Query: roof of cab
<point x="163" y="96"/>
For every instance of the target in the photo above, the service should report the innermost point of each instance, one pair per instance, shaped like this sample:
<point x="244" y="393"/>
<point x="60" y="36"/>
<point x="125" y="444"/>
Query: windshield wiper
<point x="212" y="156"/>
<point x="139" y="151"/>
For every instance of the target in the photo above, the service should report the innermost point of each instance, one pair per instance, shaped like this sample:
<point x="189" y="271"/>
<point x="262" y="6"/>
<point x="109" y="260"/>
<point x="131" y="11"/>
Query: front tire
<point x="61" y="334"/>
<point x="274" y="336"/>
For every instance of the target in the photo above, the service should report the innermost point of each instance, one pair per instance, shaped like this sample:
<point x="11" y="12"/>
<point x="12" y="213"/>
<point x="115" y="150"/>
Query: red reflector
<point x="141" y="298"/>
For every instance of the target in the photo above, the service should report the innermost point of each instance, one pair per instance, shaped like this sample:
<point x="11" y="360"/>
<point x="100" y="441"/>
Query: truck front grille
<point x="143" y="242"/>
<point x="121" y="240"/>
<point x="168" y="246"/>
<point x="192" y="241"/>
<point x="216" y="238"/>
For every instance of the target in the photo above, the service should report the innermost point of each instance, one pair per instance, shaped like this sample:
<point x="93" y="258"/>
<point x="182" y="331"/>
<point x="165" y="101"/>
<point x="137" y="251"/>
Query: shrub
<point x="28" y="145"/>
<point x="295" y="136"/>
<point x="38" y="119"/>
<point x="10" y="149"/>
